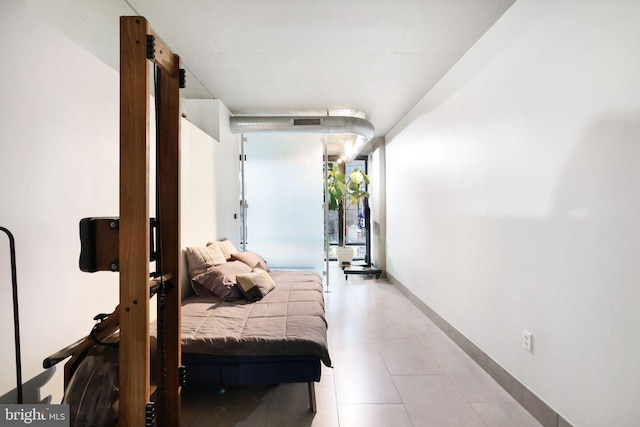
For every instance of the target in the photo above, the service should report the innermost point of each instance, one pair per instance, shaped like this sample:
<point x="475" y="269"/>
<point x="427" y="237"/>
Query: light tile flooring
<point x="392" y="368"/>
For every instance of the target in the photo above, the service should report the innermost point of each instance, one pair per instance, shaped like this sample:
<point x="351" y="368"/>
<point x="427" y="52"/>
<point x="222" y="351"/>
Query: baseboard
<point x="542" y="412"/>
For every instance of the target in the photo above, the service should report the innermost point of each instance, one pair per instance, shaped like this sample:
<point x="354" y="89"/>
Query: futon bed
<point x="247" y="324"/>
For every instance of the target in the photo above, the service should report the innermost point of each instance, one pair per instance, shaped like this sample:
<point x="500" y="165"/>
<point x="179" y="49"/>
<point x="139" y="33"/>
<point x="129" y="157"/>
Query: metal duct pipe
<point x="313" y="124"/>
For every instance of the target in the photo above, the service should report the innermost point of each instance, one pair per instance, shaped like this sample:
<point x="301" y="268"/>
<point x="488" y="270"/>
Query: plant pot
<point x="345" y="255"/>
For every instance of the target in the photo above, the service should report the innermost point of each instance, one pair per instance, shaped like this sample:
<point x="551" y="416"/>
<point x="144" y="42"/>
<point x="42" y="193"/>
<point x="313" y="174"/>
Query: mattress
<point x="288" y="321"/>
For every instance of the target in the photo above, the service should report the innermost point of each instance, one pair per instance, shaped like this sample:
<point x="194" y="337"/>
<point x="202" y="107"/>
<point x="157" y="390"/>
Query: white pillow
<point x="256" y="284"/>
<point x="226" y="246"/>
<point x="201" y="259"/>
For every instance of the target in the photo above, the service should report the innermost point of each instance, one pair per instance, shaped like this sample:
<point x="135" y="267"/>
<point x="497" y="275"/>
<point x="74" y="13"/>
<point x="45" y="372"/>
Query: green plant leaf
<point x="340" y="190"/>
<point x="333" y="204"/>
<point x="356" y="177"/>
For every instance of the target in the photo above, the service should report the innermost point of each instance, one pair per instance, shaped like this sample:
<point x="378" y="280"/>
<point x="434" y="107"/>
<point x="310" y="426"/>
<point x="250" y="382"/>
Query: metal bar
<point x="326" y="211"/>
<point x="312" y="397"/>
<point x="16" y="317"/>
<point x="243" y="194"/>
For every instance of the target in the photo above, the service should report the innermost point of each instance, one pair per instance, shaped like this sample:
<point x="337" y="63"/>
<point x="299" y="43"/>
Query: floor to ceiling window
<point x="284" y="192"/>
<point x="356" y="226"/>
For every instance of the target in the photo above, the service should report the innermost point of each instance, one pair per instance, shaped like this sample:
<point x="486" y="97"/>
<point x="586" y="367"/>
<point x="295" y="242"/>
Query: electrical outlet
<point x="527" y="341"/>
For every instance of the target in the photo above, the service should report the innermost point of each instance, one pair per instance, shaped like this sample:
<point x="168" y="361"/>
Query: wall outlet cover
<point x="527" y="341"/>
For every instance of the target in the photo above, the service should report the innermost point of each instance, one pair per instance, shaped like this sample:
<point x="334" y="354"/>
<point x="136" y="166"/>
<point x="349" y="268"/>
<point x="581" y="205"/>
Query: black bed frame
<point x="225" y="371"/>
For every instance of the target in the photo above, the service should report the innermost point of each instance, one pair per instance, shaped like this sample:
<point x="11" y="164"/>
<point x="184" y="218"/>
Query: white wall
<point x="227" y="166"/>
<point x="197" y="191"/>
<point x="378" y="203"/>
<point x="59" y="162"/>
<point x="212" y="116"/>
<point x="516" y="182"/>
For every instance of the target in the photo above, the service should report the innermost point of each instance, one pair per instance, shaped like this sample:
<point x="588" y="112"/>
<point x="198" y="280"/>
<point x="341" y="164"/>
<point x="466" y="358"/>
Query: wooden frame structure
<point x="139" y="46"/>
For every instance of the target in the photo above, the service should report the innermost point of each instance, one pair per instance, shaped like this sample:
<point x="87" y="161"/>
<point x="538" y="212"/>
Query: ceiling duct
<point x="320" y="124"/>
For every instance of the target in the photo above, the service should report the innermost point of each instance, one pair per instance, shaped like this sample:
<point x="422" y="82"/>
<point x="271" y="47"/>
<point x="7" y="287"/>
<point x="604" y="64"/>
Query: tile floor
<point x="392" y="368"/>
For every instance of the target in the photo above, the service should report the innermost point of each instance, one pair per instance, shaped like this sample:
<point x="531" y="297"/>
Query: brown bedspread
<point x="289" y="320"/>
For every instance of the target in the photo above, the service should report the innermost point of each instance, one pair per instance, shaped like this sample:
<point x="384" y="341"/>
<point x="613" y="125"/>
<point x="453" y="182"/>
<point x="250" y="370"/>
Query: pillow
<point x="252" y="259"/>
<point x="217" y="255"/>
<point x="256" y="284"/>
<point x="201" y="259"/>
<point x="226" y="246"/>
<point x="229" y="247"/>
<point x="220" y="281"/>
<point x="261" y="265"/>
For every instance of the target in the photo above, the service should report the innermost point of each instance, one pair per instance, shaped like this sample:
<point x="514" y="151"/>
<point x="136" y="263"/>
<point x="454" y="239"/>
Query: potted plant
<point x="343" y="193"/>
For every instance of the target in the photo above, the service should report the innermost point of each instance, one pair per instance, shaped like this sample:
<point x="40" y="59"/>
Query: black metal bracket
<point x="182" y="376"/>
<point x="150" y="414"/>
<point x="182" y="78"/>
<point x="153" y="234"/>
<point x="114" y="225"/>
<point x="99" y="244"/>
<point x="151" y="47"/>
<point x="99" y="318"/>
<point x="158" y="288"/>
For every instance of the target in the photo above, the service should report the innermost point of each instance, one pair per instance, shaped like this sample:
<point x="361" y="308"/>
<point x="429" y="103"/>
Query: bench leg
<point x="312" y="397"/>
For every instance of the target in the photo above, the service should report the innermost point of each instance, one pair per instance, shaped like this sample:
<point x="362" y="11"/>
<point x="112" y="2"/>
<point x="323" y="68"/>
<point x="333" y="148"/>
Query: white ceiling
<point x="373" y="57"/>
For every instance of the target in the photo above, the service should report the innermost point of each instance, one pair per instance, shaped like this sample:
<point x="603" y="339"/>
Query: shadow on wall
<point x="31" y="390"/>
<point x="601" y="178"/>
<point x="590" y="264"/>
<point x="575" y="269"/>
<point x="592" y="240"/>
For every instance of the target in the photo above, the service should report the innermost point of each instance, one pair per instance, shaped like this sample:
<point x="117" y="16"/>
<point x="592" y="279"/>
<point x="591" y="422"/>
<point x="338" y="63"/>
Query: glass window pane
<point x="284" y="193"/>
<point x="355" y="233"/>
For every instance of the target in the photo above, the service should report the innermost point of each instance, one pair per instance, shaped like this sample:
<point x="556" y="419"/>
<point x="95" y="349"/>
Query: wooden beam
<point x="168" y="395"/>
<point x="168" y="62"/>
<point x="134" y="248"/>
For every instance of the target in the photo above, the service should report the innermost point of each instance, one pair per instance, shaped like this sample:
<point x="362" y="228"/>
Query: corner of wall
<point x="205" y="114"/>
<point x="378" y="213"/>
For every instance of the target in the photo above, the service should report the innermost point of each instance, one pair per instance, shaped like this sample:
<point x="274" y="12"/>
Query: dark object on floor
<point x="367" y="270"/>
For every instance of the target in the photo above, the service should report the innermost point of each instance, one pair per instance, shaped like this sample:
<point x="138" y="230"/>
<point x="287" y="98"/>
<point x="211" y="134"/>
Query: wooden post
<point x="168" y="395"/>
<point x="134" y="250"/>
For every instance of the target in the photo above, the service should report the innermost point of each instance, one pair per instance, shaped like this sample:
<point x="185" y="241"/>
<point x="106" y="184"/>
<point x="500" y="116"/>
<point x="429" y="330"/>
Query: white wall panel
<point x="59" y="162"/>
<point x="515" y="182"/>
